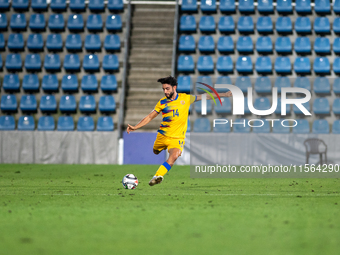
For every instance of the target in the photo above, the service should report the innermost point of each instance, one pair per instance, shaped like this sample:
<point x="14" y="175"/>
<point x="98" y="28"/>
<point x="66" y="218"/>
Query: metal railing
<point x="174" y="43"/>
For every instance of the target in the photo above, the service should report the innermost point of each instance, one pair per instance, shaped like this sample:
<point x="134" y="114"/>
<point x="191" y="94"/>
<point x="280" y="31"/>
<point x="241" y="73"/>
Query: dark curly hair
<point x="168" y="80"/>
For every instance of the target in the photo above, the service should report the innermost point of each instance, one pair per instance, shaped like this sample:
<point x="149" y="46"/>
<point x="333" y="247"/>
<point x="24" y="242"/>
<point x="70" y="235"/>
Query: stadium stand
<point x="26" y="123"/>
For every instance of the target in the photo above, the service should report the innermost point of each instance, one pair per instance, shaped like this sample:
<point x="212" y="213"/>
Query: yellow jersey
<point x="175" y="115"/>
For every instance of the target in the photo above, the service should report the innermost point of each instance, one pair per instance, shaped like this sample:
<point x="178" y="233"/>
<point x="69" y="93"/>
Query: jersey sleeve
<point x="158" y="107"/>
<point x="192" y="98"/>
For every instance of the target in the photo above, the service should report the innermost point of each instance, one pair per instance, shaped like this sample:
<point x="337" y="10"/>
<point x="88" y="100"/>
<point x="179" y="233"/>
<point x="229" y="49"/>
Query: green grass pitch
<point x="83" y="209"/>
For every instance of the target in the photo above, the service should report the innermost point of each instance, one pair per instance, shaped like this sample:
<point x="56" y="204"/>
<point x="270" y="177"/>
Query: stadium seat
<point x="245" y="24"/>
<point x="108" y="83"/>
<point x="302" y="82"/>
<point x="263" y="85"/>
<point x="185" y="63"/>
<point x="284" y="6"/>
<point x="303" y="6"/>
<point x="282" y="82"/>
<point x="73" y="42"/>
<point x="8" y="103"/>
<point x="227" y="6"/>
<point x="222" y="80"/>
<point x="28" y="104"/>
<point x="187" y="23"/>
<point x="112" y="43"/>
<point x="282" y="65"/>
<point x="65" y="123"/>
<point x="85" y="123"/>
<point x="225" y="108"/>
<point x="184" y="84"/>
<point x="39" y="5"/>
<point x="77" y="5"/>
<point x="188" y="125"/>
<point x="13" y="62"/>
<point x="320" y="126"/>
<point x="72" y="63"/>
<point x="240" y="125"/>
<point x="37" y="22"/>
<point x="52" y="63"/>
<point x="204" y="79"/>
<point x="335" y="127"/>
<point x="189" y="6"/>
<point x="303" y="25"/>
<point x="336" y="65"/>
<point x="113" y="23"/>
<point x="11" y="83"/>
<point x="336" y="45"/>
<point x="92" y="43"/>
<point x="246" y="6"/>
<point x="202" y="125"/>
<point x="46" y="123"/>
<point x="105" y="123"/>
<point x="7" y="122"/>
<point x="278" y="128"/>
<point x="87" y="104"/>
<point x="321" y="106"/>
<point x="50" y="83"/>
<point x="89" y="83"/>
<point x="15" y="42"/>
<point x="110" y="63"/>
<point x="48" y="104"/>
<point x="3" y="21"/>
<point x="283" y="44"/>
<point x="58" y="5"/>
<point x="206" y="44"/>
<point x="224" y="64"/>
<point x="4" y="5"/>
<point x="246" y="107"/>
<point x="243" y="83"/>
<point x="186" y="43"/>
<point x="67" y="104"/>
<point x="302" y="65"/>
<point x="198" y="106"/>
<point x="322" y="25"/>
<point x="265" y="6"/>
<point x="278" y="108"/>
<point x="26" y="123"/>
<point x="20" y="5"/>
<point x="336" y="106"/>
<point x="30" y="83"/>
<point x="75" y="22"/>
<point x="244" y="44"/>
<point x="336" y="86"/>
<point x="284" y="25"/>
<point x="226" y="24"/>
<point x="322" y="86"/>
<point x="54" y="42"/>
<point x="69" y="83"/>
<point x="321" y="65"/>
<point x="222" y="128"/>
<point x="207" y="24"/>
<point x="56" y="22"/>
<point x="322" y="6"/>
<point x="297" y="111"/>
<point x="18" y="22"/>
<point x="208" y="5"/>
<point x="302" y="45"/>
<point x="205" y="64"/>
<point x="33" y="63"/>
<point x="244" y="64"/>
<point x="302" y="127"/>
<point x="225" y="44"/>
<point x="2" y="42"/>
<point x="115" y="5"/>
<point x="265" y="128"/>
<point x="91" y="63"/>
<point x="94" y="22"/>
<point x="264" y="24"/>
<point x="263" y="65"/>
<point x="96" y="5"/>
<point x="107" y="104"/>
<point x="264" y="44"/>
<point x="35" y="42"/>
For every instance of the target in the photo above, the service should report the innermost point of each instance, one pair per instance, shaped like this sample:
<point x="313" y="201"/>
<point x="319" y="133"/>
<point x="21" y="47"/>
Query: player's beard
<point x="170" y="95"/>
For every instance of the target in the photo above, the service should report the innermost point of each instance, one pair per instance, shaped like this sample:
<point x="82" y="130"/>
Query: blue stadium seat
<point x="322" y="45"/>
<point x="208" y="5"/>
<point x="225" y="108"/>
<point x="284" y="25"/>
<point x="278" y="128"/>
<point x="336" y="106"/>
<point x="7" y="122"/>
<point x="65" y="123"/>
<point x="282" y="65"/>
<point x="227" y="6"/>
<point x="89" y="83"/>
<point x="204" y="79"/>
<point x="37" y="22"/>
<point x="282" y="82"/>
<point x="303" y="25"/>
<point x="67" y="104"/>
<point x="15" y="42"/>
<point x="188" y="125"/>
<point x="336" y="86"/>
<point x="113" y="23"/>
<point x="92" y="43"/>
<point x="264" y="44"/>
<point x="205" y="64"/>
<point x="46" y="123"/>
<point x="243" y="83"/>
<point x="73" y="42"/>
<point x="222" y="80"/>
<point x="77" y="5"/>
<point x="297" y="111"/>
<point x="20" y="5"/>
<point x="108" y="83"/>
<point x="184" y="84"/>
<point x="283" y="44"/>
<point x="244" y="64"/>
<point x="336" y="45"/>
<point x="198" y="106"/>
<point x="58" y="5"/>
<point x="263" y="85"/>
<point x="2" y="42"/>
<point x="240" y="125"/>
<point x="302" y="127"/>
<point x="69" y="83"/>
<point x="265" y="6"/>
<point x="244" y="44"/>
<point x="265" y="128"/>
<point x="39" y="5"/>
<point x="13" y="62"/>
<point x="202" y="125"/>
<point x="284" y="6"/>
<point x="264" y="24"/>
<point x="105" y="123"/>
<point x="302" y="65"/>
<point x="91" y="63"/>
<point x="75" y="22"/>
<point x="107" y="104"/>
<point x="320" y="126"/>
<point x="302" y="82"/>
<point x="112" y="43"/>
<point x="245" y="24"/>
<point x="224" y="64"/>
<point x="54" y="42"/>
<point x="278" y="107"/>
<point x="48" y="104"/>
<point x="94" y="22"/>
<point x="189" y="6"/>
<point x="222" y="128"/>
<point x="246" y="107"/>
<point x="336" y="127"/>
<point x="35" y="42"/>
<point x="96" y="5"/>
<point x="52" y="63"/>
<point x="11" y="83"/>
<point x="336" y="6"/>
<point x="321" y="106"/>
<point x="50" y="83"/>
<point x="115" y="5"/>
<point x="302" y="45"/>
<point x="187" y="23"/>
<point x="72" y="63"/>
<point x="263" y="65"/>
<point x="206" y="44"/>
<point x="18" y="22"/>
<point x="3" y="21"/>
<point x="85" y="123"/>
<point x="26" y="123"/>
<point x="4" y="5"/>
<point x="226" y="24"/>
<point x="9" y="103"/>
<point x="225" y="44"/>
<point x="28" y="103"/>
<point x="246" y="6"/>
<point x="207" y="24"/>
<point x="56" y="22"/>
<point x="33" y="63"/>
<point x="87" y="104"/>
<point x="322" y="86"/>
<point x="322" y="25"/>
<point x="186" y="43"/>
<point x="303" y="6"/>
<point x="322" y="6"/>
<point x="110" y="63"/>
<point x="185" y="63"/>
<point x="30" y="83"/>
<point x="321" y="65"/>
<point x="336" y="65"/>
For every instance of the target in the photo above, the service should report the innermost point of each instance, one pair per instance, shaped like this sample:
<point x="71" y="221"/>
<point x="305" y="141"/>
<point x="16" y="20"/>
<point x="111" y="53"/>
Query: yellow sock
<point x="163" y="169"/>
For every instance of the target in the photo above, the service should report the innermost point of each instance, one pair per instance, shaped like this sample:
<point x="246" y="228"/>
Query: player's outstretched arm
<point x="143" y="122"/>
<point x="226" y="94"/>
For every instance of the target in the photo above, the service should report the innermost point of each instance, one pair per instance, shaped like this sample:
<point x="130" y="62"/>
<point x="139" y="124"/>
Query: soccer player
<point x="171" y="133"/>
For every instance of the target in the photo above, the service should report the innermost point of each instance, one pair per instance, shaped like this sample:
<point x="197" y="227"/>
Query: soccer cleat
<point x="156" y="180"/>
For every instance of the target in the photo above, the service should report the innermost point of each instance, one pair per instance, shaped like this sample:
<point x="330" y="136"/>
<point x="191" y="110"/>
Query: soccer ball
<point x="130" y="181"/>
